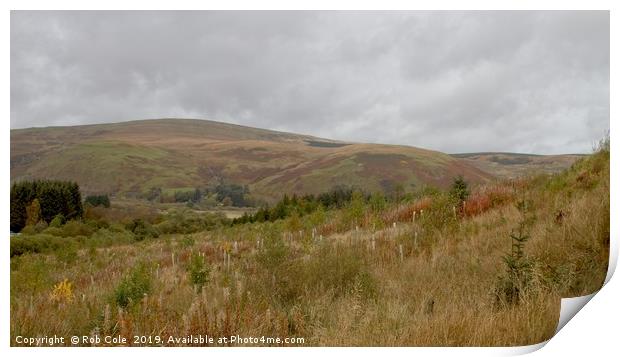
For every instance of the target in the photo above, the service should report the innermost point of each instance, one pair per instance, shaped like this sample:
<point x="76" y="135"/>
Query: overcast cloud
<point x="533" y="82"/>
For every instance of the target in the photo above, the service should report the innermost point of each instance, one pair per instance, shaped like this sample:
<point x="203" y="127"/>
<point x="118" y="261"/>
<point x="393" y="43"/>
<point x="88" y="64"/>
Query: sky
<point x="454" y="81"/>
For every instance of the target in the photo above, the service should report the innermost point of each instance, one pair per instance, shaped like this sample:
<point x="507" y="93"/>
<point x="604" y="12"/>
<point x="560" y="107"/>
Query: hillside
<point x="128" y="159"/>
<point x="511" y="165"/>
<point x="490" y="273"/>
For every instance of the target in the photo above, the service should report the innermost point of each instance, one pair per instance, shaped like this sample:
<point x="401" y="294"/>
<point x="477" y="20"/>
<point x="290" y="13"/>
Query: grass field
<point x="419" y="273"/>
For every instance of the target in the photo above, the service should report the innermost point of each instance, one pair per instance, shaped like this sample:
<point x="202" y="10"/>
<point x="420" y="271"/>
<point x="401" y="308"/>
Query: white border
<point x="591" y="330"/>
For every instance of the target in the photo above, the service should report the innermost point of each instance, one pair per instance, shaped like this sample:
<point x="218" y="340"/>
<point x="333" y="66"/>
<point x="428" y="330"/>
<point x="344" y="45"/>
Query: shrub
<point x="274" y="254"/>
<point x="186" y="222"/>
<point x="58" y="221"/>
<point x="28" y="230"/>
<point x="355" y="210"/>
<point x="511" y="288"/>
<point x="108" y="236"/>
<point x="142" y="229"/>
<point x="377" y="202"/>
<point x="58" y="232"/>
<point x="500" y="195"/>
<point x="62" y="292"/>
<point x="476" y="204"/>
<point x="68" y="254"/>
<point x="76" y="228"/>
<point x="40" y="226"/>
<point x="198" y="271"/>
<point x="36" y="243"/>
<point x="187" y="241"/>
<point x="134" y="286"/>
<point x="22" y="245"/>
<point x="404" y="213"/>
<point x="459" y="190"/>
<point x="440" y="214"/>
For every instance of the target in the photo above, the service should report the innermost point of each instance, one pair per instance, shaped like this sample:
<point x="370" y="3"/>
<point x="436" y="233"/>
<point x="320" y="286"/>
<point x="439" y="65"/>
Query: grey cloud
<point x="527" y="81"/>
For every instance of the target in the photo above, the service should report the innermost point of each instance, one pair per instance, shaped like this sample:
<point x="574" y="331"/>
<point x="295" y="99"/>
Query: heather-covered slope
<point x="130" y="158"/>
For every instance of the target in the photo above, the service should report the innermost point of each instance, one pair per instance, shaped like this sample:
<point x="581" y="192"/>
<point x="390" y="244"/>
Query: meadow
<point x="485" y="269"/>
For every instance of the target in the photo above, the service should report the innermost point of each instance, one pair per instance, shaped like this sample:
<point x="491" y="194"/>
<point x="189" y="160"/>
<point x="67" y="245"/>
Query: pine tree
<point x="459" y="190"/>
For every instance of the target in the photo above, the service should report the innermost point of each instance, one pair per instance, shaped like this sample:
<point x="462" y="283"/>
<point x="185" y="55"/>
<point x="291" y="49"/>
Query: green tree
<point x="512" y="287"/>
<point x="198" y="271"/>
<point x="377" y="202"/>
<point x="355" y="211"/>
<point x="459" y="190"/>
<point x="98" y="200"/>
<point x="294" y="223"/>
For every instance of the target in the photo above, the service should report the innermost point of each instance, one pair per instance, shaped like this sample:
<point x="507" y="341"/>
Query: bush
<point x="68" y="254"/>
<point x="459" y="190"/>
<point x="198" y="271"/>
<point x="58" y="221"/>
<point x="62" y="292"/>
<point x="37" y="243"/>
<point x="76" y="228"/>
<point x="40" y="226"/>
<point x="186" y="222"/>
<point x="28" y="230"/>
<point x="142" y="229"/>
<point x="108" y="236"/>
<point x="54" y="231"/>
<point x="134" y="286"/>
<point x="22" y="245"/>
<point x="187" y="241"/>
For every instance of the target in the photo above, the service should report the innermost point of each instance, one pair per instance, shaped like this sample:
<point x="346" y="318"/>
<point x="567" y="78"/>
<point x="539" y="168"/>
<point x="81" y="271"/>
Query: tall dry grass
<point x="423" y="282"/>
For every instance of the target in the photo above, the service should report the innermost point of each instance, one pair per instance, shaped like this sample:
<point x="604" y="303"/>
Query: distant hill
<point x="130" y="158"/>
<point x="510" y="165"/>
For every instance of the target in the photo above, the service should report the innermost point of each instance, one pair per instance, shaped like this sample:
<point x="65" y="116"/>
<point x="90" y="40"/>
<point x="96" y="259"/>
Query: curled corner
<point x="570" y="307"/>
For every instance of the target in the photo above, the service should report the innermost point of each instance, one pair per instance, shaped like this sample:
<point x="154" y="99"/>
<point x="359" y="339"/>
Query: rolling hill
<point x="128" y="159"/>
<point x="510" y="165"/>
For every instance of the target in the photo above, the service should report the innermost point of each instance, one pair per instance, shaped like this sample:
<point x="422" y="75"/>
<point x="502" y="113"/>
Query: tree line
<point x="42" y="200"/>
<point x="337" y="197"/>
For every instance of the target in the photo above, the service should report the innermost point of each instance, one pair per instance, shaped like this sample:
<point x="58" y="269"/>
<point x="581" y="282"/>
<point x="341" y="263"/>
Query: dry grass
<point x="352" y="288"/>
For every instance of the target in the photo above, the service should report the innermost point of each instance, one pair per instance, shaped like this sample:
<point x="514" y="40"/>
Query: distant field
<point x="230" y="212"/>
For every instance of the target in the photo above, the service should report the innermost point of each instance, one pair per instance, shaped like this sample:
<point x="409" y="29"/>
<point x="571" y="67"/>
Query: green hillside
<point x="131" y="158"/>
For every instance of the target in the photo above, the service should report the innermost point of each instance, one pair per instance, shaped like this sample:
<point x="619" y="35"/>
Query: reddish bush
<point x="404" y="213"/>
<point x="476" y="204"/>
<point x="485" y="199"/>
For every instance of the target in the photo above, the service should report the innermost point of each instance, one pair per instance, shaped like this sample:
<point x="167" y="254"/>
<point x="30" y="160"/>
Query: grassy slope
<point x="132" y="157"/>
<point x="351" y="287"/>
<point x="510" y="165"/>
